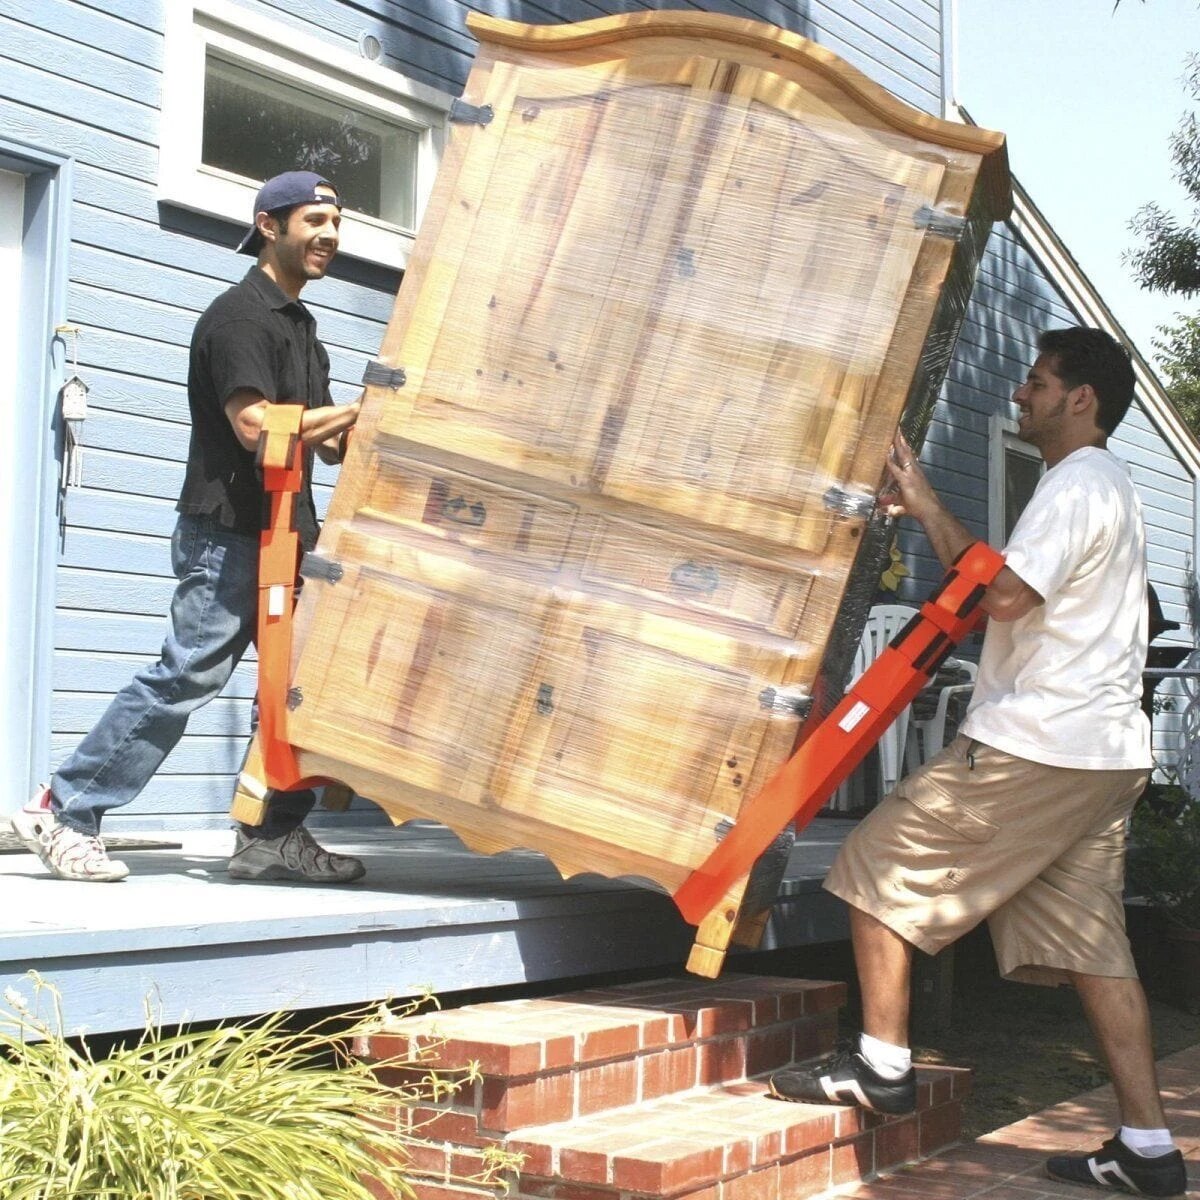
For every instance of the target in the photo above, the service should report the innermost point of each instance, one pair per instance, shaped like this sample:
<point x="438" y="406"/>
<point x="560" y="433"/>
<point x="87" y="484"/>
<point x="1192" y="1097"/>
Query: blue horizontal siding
<point x="73" y="139"/>
<point x="883" y="50"/>
<point x="100" y="550"/>
<point x="127" y="473"/>
<point x="86" y="25"/>
<point x="112" y="592"/>
<point x="138" y="437"/>
<point x="109" y="633"/>
<point x="200" y="795"/>
<point x="122" y="512"/>
<point x="133" y="395"/>
<point x="73" y="59"/>
<point x="83" y="104"/>
<point x="157" y="264"/>
<point x="119" y="195"/>
<point x="126" y="352"/>
<point x="159" y="325"/>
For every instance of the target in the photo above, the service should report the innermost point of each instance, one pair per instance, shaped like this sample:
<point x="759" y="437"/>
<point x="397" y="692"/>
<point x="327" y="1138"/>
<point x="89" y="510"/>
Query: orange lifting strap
<point x="281" y="458"/>
<point x="839" y="743"/>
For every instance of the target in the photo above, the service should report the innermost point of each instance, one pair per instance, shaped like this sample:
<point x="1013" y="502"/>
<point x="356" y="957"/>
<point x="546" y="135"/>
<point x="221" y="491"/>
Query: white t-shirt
<point x="1063" y="684"/>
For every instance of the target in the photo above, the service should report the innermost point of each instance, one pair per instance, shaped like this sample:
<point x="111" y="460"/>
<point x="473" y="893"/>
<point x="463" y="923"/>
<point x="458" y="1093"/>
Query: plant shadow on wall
<point x="251" y="1109"/>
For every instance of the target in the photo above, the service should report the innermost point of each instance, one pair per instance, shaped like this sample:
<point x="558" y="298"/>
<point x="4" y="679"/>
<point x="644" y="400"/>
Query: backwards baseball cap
<point x="280" y="192"/>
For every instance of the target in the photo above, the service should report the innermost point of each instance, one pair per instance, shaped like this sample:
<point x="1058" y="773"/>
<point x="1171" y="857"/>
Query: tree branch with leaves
<point x="1169" y="260"/>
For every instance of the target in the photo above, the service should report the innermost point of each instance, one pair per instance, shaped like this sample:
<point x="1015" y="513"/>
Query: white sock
<point x="883" y="1058"/>
<point x="1149" y="1143"/>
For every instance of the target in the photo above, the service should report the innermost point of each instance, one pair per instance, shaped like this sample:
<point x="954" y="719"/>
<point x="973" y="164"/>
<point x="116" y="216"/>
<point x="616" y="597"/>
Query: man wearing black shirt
<point x="255" y="345"/>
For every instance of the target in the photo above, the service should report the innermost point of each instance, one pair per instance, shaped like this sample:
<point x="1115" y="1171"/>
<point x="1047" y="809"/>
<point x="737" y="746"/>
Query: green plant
<point x="1164" y="860"/>
<point x="241" y="1112"/>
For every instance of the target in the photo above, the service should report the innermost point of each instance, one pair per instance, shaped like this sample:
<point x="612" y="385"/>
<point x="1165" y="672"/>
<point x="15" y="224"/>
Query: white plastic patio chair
<point x="884" y="621"/>
<point x="927" y="734"/>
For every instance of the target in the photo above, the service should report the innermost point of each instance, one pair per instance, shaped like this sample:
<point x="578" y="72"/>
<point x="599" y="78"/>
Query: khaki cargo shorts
<point x="1039" y="851"/>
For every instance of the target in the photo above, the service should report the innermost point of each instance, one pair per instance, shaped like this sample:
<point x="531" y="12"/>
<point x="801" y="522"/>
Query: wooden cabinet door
<point x="413" y="667"/>
<point x="791" y="276"/>
<point x="540" y="316"/>
<point x="523" y="326"/>
<point x="639" y="733"/>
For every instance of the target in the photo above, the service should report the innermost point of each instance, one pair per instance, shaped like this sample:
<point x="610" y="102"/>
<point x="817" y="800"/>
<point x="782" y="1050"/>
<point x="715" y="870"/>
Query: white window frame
<point x="1002" y="437"/>
<point x="193" y="27"/>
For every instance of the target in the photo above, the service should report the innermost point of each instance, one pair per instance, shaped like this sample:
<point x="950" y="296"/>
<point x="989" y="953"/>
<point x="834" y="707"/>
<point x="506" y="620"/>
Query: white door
<point x="15" y="584"/>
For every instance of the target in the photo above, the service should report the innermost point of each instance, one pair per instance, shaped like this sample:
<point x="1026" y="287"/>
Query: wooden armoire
<point x="680" y="278"/>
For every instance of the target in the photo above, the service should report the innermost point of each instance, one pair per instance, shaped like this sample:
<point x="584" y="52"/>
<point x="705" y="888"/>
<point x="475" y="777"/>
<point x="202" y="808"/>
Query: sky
<point x="1088" y="98"/>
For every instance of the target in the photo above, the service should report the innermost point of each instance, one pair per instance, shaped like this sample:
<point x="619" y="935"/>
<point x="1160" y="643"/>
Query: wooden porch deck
<point x="179" y="936"/>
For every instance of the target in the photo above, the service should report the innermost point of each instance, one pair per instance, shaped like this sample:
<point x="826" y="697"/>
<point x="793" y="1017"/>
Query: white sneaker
<point x="295" y="856"/>
<point x="66" y="852"/>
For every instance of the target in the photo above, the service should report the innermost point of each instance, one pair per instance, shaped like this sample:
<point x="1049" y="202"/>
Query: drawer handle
<point x="696" y="577"/>
<point x="545" y="699"/>
<point x="462" y="513"/>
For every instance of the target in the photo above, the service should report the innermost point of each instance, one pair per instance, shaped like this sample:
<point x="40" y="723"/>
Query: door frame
<point x="36" y="443"/>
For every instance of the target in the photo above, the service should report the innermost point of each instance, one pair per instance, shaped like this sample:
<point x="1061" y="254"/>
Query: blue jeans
<point x="212" y="622"/>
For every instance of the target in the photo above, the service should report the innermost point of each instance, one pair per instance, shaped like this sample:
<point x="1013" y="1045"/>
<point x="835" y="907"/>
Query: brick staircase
<point x="652" y="1089"/>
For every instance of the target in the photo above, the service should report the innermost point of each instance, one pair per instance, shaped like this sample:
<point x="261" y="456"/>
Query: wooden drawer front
<point x="472" y="512"/>
<point x="692" y="575"/>
<point x="414" y="680"/>
<point x="640" y="731"/>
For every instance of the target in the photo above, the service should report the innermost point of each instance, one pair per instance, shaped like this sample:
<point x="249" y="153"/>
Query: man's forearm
<point x="948" y="536"/>
<point x="1009" y="597"/>
<point x="247" y="409"/>
<point x="320" y="424"/>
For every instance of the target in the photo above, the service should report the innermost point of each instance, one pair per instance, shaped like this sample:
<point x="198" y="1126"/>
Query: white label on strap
<point x="854" y="716"/>
<point x="275" y="600"/>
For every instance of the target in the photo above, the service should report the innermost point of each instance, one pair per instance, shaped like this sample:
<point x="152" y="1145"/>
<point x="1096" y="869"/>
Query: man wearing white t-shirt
<point x="1021" y="820"/>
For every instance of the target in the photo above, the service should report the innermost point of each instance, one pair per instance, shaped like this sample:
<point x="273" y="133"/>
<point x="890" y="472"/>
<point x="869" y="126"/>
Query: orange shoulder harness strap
<point x="281" y="458"/>
<point x="839" y="743"/>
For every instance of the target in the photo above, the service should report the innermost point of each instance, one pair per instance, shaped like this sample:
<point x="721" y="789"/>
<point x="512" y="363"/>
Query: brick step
<point x="652" y="1090"/>
<point x="736" y="1138"/>
<point x="731" y="1142"/>
<point x="548" y="1060"/>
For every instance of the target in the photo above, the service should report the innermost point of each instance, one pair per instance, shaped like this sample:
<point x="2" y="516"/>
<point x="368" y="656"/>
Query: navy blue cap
<point x="280" y="192"/>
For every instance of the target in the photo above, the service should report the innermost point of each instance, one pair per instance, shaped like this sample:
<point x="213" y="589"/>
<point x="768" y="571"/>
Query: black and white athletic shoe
<point x="846" y="1078"/>
<point x="1117" y="1167"/>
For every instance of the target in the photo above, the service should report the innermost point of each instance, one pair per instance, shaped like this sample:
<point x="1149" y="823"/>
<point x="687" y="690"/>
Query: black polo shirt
<point x="252" y="336"/>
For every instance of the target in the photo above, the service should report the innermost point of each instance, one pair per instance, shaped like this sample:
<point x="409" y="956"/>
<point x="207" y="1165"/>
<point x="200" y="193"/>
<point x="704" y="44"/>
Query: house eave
<point x="1035" y="233"/>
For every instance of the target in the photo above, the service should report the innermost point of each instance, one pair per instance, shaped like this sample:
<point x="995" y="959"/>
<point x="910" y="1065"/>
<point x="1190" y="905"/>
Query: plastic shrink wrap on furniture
<point x="679" y="279"/>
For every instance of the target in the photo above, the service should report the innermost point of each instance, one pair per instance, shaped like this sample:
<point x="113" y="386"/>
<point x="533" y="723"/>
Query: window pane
<point x="258" y="126"/>
<point x="1021" y="474"/>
